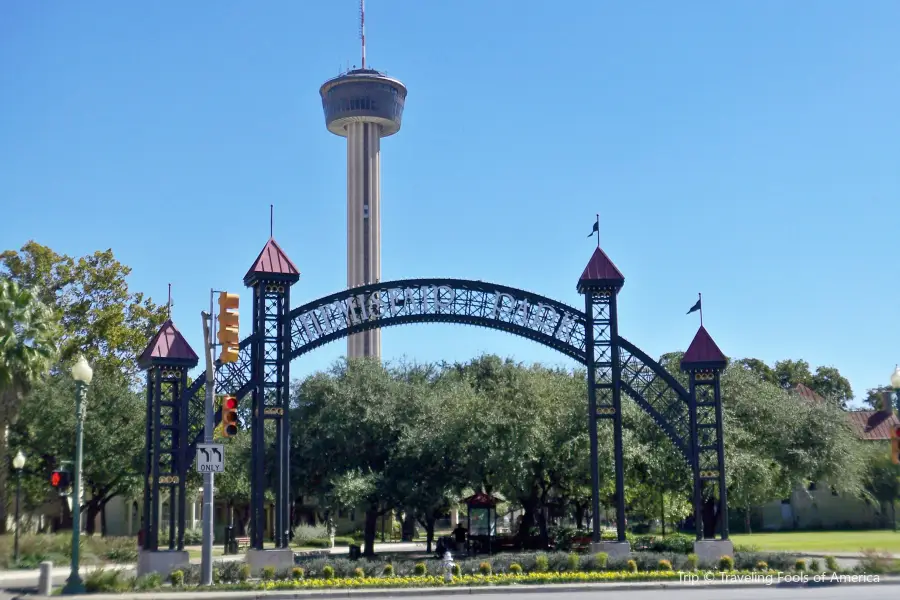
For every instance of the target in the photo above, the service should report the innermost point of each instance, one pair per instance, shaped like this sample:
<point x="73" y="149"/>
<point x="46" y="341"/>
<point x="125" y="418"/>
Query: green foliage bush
<point x="326" y="543"/>
<point x="693" y="561"/>
<point x="800" y="565"/>
<point x="268" y="573"/>
<point x="515" y="569"/>
<point x="677" y="543"/>
<point x="600" y="560"/>
<point x="57" y="548"/>
<point x="664" y="565"/>
<point x="485" y="568"/>
<point x="103" y="580"/>
<point x="244" y="573"/>
<point x="632" y="566"/>
<point x="420" y="569"/>
<point x="388" y="570"/>
<point x="176" y="578"/>
<point x="359" y="573"/>
<point x="146" y="583"/>
<point x="541" y="563"/>
<point x="762" y="566"/>
<point x="456" y="570"/>
<point x="297" y="573"/>
<point x="832" y="564"/>
<point x="815" y="566"/>
<point x="726" y="563"/>
<point x="193" y="537"/>
<point x="573" y="562"/>
<point x="304" y="533"/>
<point x="328" y="572"/>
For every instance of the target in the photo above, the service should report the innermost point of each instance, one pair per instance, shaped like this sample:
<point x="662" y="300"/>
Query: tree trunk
<point x="429" y="531"/>
<point x="370" y="530"/>
<point x="103" y="530"/>
<point x="662" y="512"/>
<point x="747" y="519"/>
<point x="92" y="510"/>
<point x="579" y="516"/>
<point x="894" y="514"/>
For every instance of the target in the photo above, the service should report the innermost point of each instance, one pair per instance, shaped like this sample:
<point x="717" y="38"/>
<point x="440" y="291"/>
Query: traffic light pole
<point x="209" y="423"/>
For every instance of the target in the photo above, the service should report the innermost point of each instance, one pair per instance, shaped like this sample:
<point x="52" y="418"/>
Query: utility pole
<point x="206" y="556"/>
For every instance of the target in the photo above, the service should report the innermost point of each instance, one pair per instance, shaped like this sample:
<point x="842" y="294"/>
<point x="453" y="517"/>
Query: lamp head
<point x="81" y="371"/>
<point x="895" y="378"/>
<point x="19" y="461"/>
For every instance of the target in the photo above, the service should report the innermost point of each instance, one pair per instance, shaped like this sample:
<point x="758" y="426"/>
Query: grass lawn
<point x="822" y="541"/>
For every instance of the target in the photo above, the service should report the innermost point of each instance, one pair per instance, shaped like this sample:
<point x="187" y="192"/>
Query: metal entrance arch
<point x="691" y="418"/>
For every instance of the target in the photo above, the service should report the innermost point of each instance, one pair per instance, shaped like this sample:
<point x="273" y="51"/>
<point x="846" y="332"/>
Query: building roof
<point x="808" y="394"/>
<point x="272" y="263"/>
<point x="873" y="425"/>
<point x="703" y="352"/>
<point x="600" y="273"/>
<point x="481" y="499"/>
<point x="168" y="347"/>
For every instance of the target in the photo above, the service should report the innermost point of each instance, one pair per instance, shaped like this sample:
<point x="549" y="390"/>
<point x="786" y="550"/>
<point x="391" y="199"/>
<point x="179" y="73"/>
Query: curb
<point x="459" y="591"/>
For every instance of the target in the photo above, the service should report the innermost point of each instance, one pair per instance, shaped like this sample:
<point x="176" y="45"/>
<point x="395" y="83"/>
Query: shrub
<point x="485" y="568"/>
<point x="193" y="537"/>
<point x="388" y="570"/>
<point x="692" y="561"/>
<point x="814" y="566"/>
<point x="541" y="563"/>
<point x="832" y="564"/>
<point x="304" y="533"/>
<point x="726" y="563"/>
<point x="457" y="571"/>
<point x="328" y="572"/>
<point x="676" y="543"/>
<point x="573" y="562"/>
<point x="664" y="565"/>
<point x="359" y="573"/>
<point x="176" y="578"/>
<point x="102" y="580"/>
<point x="631" y="566"/>
<point x="231" y="571"/>
<point x="800" y="565"/>
<point x="762" y="566"/>
<point x="420" y="569"/>
<point x="244" y="573"/>
<point x="151" y="581"/>
<point x="515" y="569"/>
<point x="268" y="573"/>
<point x="297" y="573"/>
<point x="600" y="560"/>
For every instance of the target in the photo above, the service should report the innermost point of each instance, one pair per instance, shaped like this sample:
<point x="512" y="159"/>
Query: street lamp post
<point x="18" y="464"/>
<point x="82" y="374"/>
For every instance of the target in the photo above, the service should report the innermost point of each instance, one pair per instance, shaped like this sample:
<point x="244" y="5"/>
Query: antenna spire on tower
<point x="362" y="29"/>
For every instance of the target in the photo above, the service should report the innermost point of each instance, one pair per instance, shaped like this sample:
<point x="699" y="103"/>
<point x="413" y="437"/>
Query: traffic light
<point x="59" y="480"/>
<point x="229" y="416"/>
<point x="229" y="333"/>
<point x="895" y="444"/>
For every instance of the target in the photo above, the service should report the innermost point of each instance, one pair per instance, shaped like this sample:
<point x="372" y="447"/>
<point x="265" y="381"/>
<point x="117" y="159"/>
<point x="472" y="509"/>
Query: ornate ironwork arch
<point x="463" y="301"/>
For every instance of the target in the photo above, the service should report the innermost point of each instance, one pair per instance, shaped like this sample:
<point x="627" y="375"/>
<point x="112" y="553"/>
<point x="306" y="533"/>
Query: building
<point x="363" y="105"/>
<point x="821" y="507"/>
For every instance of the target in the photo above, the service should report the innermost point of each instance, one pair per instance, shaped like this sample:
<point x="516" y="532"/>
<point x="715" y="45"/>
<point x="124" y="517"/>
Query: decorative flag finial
<point x="169" y="304"/>
<point x="596" y="230"/>
<point x="271" y="220"/>
<point x="698" y="306"/>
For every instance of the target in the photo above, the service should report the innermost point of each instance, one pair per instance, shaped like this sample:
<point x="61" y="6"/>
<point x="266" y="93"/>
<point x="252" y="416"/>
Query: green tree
<point x="882" y="480"/>
<point x="113" y="435"/>
<point x="99" y="316"/>
<point x="27" y="349"/>
<point x="830" y="384"/>
<point x="873" y="397"/>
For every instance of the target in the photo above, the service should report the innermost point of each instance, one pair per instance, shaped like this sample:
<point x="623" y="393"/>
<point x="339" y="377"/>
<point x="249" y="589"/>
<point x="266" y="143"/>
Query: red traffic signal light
<point x="59" y="479"/>
<point x="229" y="416"/>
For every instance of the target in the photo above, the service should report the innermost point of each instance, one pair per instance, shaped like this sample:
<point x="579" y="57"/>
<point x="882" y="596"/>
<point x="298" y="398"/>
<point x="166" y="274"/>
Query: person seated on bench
<point x="459" y="536"/>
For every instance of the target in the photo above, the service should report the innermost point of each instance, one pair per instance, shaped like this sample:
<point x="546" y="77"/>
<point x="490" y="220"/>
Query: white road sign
<point x="210" y="458"/>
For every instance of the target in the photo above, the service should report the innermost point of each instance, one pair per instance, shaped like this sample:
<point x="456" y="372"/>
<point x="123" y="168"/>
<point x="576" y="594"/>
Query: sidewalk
<point x="456" y="591"/>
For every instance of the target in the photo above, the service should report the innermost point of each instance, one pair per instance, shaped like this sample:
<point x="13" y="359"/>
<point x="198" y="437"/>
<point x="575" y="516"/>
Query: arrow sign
<point x="210" y="458"/>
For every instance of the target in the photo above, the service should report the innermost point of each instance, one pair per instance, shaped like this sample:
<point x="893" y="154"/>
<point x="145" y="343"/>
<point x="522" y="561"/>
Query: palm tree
<point x="27" y="350"/>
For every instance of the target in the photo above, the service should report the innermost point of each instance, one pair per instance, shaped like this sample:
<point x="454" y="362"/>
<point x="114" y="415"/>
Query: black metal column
<point x="153" y="534"/>
<point x="146" y="518"/>
<point x="592" y="417"/>
<point x="184" y="460"/>
<point x="618" y="449"/>
<point x="284" y="331"/>
<point x="257" y="479"/>
<point x="695" y="460"/>
<point x="720" y="454"/>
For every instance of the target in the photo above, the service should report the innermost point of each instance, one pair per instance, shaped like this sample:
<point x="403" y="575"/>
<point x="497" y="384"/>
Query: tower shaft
<point x="363" y="222"/>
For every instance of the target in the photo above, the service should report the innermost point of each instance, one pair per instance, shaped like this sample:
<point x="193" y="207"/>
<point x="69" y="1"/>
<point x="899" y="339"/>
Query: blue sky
<point x="746" y="150"/>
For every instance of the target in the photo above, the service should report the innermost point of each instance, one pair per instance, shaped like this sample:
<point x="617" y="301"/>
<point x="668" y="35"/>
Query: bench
<point x="242" y="542"/>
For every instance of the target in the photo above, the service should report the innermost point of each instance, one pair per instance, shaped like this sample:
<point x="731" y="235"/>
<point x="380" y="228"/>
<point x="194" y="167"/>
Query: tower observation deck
<point x="363" y="105"/>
